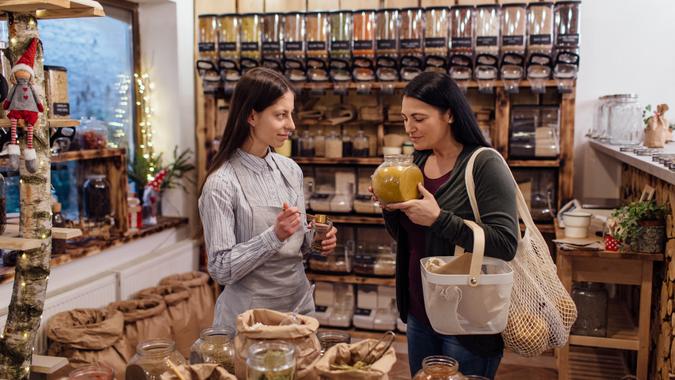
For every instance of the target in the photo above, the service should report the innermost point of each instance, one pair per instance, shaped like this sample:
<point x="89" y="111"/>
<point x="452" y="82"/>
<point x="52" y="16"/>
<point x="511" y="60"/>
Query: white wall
<point x="627" y="46"/>
<point x="166" y="29"/>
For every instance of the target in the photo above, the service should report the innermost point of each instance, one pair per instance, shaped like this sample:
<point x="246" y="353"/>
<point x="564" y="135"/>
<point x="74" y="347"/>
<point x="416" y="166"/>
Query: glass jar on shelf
<point x="93" y="134"/>
<point x="361" y="145"/>
<point x="439" y="368"/>
<point x="270" y="360"/>
<point x="347" y="146"/>
<point x="333" y="145"/>
<point x="319" y="143"/>
<point x="625" y="120"/>
<point x="97" y="371"/>
<point x="153" y="358"/>
<point x="592" y="302"/>
<point x="97" y="201"/>
<point x="214" y="346"/>
<point x="306" y="145"/>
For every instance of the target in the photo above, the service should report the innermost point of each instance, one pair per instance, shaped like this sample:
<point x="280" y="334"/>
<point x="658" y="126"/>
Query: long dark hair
<point x="440" y="91"/>
<point x="258" y="89"/>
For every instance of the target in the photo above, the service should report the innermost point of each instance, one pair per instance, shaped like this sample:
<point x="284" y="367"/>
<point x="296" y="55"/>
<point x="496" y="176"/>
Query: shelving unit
<point x="53" y="9"/>
<point x="351" y="279"/>
<point x="376" y="86"/>
<point x="60" y="233"/>
<point x="89" y="154"/>
<point x="51" y="123"/>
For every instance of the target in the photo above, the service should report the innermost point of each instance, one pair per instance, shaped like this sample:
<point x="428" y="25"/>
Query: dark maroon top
<point x="417" y="245"/>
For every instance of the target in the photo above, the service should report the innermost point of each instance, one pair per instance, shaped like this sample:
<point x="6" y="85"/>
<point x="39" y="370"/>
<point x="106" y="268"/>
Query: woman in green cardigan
<point x="444" y="132"/>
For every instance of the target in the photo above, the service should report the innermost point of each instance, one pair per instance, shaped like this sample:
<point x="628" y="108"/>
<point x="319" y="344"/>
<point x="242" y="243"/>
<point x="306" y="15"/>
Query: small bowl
<point x="576" y="224"/>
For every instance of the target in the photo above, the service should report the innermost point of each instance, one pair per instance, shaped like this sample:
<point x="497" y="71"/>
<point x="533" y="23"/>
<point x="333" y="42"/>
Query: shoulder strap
<point x="470" y="184"/>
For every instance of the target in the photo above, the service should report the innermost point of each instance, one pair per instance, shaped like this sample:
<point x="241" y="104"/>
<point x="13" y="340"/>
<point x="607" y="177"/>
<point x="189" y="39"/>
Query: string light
<point x="144" y="86"/>
<point x="121" y="122"/>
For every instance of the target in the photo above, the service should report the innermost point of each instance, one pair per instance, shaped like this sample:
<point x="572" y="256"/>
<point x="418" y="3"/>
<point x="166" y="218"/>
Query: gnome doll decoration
<point x="24" y="104"/>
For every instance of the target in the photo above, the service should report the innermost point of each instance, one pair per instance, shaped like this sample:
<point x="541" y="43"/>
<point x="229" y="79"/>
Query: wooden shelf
<point x="12" y="243"/>
<point x="621" y="331"/>
<point x="351" y="279"/>
<point x="54" y="9"/>
<point x="57" y="232"/>
<point x="376" y="86"/>
<point x="597" y="364"/>
<point x="89" y="154"/>
<point x="338" y="161"/>
<point x="534" y="163"/>
<point x="355" y="219"/>
<point x="51" y="123"/>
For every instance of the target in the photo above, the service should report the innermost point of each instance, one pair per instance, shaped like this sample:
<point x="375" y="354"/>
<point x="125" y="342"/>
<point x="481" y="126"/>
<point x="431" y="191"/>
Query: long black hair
<point x="258" y="89"/>
<point x="440" y="91"/>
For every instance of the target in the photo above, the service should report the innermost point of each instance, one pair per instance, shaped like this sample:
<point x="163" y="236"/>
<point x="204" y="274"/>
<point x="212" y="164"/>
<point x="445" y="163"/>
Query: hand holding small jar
<point x="324" y="236"/>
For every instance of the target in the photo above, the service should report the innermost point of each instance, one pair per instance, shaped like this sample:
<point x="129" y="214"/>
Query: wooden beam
<point x="61" y="233"/>
<point x="19" y="244"/>
<point x="30" y="6"/>
<point x="51" y="123"/>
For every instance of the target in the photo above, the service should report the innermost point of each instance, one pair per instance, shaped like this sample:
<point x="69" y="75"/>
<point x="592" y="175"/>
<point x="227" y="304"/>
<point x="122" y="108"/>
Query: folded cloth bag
<point x="331" y="365"/>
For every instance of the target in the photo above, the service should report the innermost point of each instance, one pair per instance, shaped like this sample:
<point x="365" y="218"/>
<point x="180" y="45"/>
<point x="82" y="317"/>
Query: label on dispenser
<point x="513" y="40"/>
<point x="339" y="45"/>
<point x="410" y="44"/>
<point x="227" y="46"/>
<point x="540" y="39"/>
<point x="364" y="312"/>
<point x="321" y="309"/>
<point x="568" y="39"/>
<point x="461" y="42"/>
<point x="316" y="45"/>
<point x="207" y="46"/>
<point x="293" y="45"/>
<point x="61" y="109"/>
<point x="271" y="46"/>
<point x="249" y="46"/>
<point x="386" y="44"/>
<point x="363" y="45"/>
<point x="435" y="42"/>
<point x="486" y="41"/>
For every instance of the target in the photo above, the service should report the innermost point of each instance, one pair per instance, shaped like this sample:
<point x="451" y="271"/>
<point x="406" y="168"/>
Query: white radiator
<point x="149" y="270"/>
<point x="94" y="293"/>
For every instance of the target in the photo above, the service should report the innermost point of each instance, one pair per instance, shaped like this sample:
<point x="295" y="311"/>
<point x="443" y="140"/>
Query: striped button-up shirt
<point x="227" y="216"/>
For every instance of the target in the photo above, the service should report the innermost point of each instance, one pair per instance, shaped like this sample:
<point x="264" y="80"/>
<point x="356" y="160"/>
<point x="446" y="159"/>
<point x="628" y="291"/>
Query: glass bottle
<point x="97" y="203"/>
<point x="306" y="145"/>
<point x="396" y="179"/>
<point x="316" y="38"/>
<point x="333" y="145"/>
<point x="92" y="372"/>
<point x="58" y="245"/>
<point x="214" y="346"/>
<point x="411" y="34"/>
<point x="153" y="358"/>
<point x="361" y="145"/>
<point x="321" y="225"/>
<point x="386" y="44"/>
<point x="250" y="39"/>
<point x="294" y="46"/>
<point x="270" y="360"/>
<point x="461" y="42"/>
<point x="439" y="368"/>
<point x="3" y="205"/>
<point x="592" y="303"/>
<point x="347" y="146"/>
<point x="436" y="39"/>
<point x="319" y="143"/>
<point x="625" y="120"/>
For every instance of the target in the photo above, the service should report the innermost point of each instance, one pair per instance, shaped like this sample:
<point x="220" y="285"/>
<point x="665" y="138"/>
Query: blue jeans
<point x="423" y="341"/>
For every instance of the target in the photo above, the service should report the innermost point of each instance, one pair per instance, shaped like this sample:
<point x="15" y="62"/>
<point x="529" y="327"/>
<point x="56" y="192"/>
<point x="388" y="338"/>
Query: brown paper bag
<point x="199" y="372"/>
<point x="460" y="265"/>
<point x="657" y="129"/>
<point x="144" y="319"/>
<point x="302" y="336"/>
<point x="201" y="300"/>
<point x="351" y="353"/>
<point x="89" y="336"/>
<point x="184" y="329"/>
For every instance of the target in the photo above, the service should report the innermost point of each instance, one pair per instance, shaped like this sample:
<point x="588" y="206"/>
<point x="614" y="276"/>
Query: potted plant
<point x="640" y="226"/>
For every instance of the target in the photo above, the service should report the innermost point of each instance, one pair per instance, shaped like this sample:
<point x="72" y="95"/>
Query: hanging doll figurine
<point x="23" y="103"/>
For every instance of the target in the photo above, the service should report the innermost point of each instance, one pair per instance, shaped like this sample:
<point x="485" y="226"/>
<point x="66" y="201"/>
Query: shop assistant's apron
<point x="280" y="282"/>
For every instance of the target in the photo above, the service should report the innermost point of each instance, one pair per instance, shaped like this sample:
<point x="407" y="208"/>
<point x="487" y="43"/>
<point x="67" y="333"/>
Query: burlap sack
<point x="183" y="328"/>
<point x="199" y="372"/>
<point x="302" y="336"/>
<point x="144" y="319"/>
<point x="201" y="301"/>
<point x="349" y="354"/>
<point x="88" y="336"/>
<point x="656" y="132"/>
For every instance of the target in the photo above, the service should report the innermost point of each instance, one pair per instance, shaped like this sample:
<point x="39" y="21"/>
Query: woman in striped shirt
<point x="252" y="205"/>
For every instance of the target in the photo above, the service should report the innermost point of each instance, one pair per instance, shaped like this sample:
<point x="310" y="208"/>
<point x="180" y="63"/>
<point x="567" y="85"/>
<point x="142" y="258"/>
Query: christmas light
<point x="144" y="85"/>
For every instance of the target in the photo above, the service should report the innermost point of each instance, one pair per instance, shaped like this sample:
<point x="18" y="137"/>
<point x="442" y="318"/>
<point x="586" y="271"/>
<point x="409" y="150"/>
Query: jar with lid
<point x="601" y="119"/>
<point x="250" y="36"/>
<point x="487" y="41"/>
<point x="539" y="39"/>
<point x="271" y="360"/>
<point x="361" y="144"/>
<point x="294" y="46"/>
<point x="97" y="203"/>
<point x="340" y="45"/>
<point x="439" y="368"/>
<point x="3" y="205"/>
<point x="271" y="40"/>
<point x="228" y="49"/>
<point x="625" y="120"/>
<point x="208" y="37"/>
<point x="316" y="38"/>
<point x="461" y="42"/>
<point x="347" y="145"/>
<point x="566" y="39"/>
<point x="592" y="303"/>
<point x="153" y="358"/>
<point x="97" y="371"/>
<point x="319" y="143"/>
<point x="436" y="39"/>
<point x="513" y="33"/>
<point x="306" y="145"/>
<point x="333" y="145"/>
<point x="386" y="44"/>
<point x="93" y="134"/>
<point x="396" y="179"/>
<point x="58" y="245"/>
<point x="363" y="44"/>
<point x="56" y="91"/>
<point x="214" y="346"/>
<point x="411" y="35"/>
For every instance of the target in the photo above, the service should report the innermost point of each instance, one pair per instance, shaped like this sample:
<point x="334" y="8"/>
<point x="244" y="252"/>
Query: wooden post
<point x="32" y="267"/>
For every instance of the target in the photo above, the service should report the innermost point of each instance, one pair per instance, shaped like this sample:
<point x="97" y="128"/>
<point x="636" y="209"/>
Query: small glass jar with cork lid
<point x="321" y="224"/>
